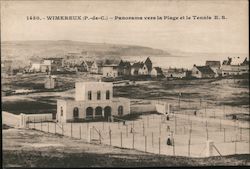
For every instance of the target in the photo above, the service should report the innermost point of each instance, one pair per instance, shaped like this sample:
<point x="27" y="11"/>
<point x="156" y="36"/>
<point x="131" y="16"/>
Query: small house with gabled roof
<point x="215" y="66"/>
<point x="110" y="68"/>
<point x="136" y="67"/>
<point x="202" y="72"/>
<point x="146" y="68"/>
<point x="157" y="72"/>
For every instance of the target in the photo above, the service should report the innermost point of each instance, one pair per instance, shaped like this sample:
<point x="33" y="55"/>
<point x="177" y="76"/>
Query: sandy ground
<point x="151" y="132"/>
<point x="30" y="148"/>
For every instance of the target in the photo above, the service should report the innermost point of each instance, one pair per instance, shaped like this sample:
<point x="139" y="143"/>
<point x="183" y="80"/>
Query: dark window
<point x="107" y="95"/>
<point x="197" y="72"/>
<point x="89" y="112"/>
<point x="120" y="110"/>
<point x="98" y="95"/>
<point x="98" y="111"/>
<point x="107" y="112"/>
<point x="76" y="112"/>
<point x="89" y="95"/>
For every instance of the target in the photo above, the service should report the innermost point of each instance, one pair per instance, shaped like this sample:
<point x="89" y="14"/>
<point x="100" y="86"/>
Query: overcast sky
<point x="227" y="36"/>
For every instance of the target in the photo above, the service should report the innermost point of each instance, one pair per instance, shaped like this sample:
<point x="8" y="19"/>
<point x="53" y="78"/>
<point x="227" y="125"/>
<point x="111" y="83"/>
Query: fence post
<point x="80" y="132"/>
<point x="103" y="125"/>
<point x="28" y="122"/>
<point x="220" y="124"/>
<point x="175" y="124"/>
<point x="100" y="138"/>
<point x="55" y="127"/>
<point x="207" y="133"/>
<point x="152" y="139"/>
<point x="241" y="134"/>
<point x="41" y="125"/>
<point x="205" y="109"/>
<point x="133" y="140"/>
<point x="145" y="143"/>
<point x="143" y="127"/>
<point x="159" y="145"/>
<point x="71" y="129"/>
<point x="48" y="127"/>
<point x="173" y="147"/>
<point x="147" y="121"/>
<point x="62" y="130"/>
<point x="206" y="130"/>
<point x="160" y="129"/>
<point x="126" y="130"/>
<point x="189" y="142"/>
<point x="190" y="133"/>
<point x="224" y="111"/>
<point x="234" y="125"/>
<point x="235" y="146"/>
<point x="90" y="134"/>
<point x="34" y="123"/>
<point x="110" y="136"/>
<point x="121" y="138"/>
<point x="224" y="135"/>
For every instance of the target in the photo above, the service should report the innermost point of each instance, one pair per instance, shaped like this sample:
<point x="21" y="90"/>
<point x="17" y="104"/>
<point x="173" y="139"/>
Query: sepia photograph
<point x="124" y="83"/>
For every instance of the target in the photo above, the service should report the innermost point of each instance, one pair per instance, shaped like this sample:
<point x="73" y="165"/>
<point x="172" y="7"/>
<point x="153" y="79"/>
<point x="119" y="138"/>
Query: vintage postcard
<point x="122" y="83"/>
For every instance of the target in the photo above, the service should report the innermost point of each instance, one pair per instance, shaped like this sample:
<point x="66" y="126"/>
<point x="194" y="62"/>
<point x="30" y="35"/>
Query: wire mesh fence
<point x="150" y="133"/>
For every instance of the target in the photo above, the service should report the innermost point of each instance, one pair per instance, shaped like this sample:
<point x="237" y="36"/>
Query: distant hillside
<point x="27" y="49"/>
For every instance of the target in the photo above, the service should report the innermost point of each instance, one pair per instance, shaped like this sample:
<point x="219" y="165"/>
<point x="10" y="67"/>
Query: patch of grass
<point x="28" y="107"/>
<point x="134" y="116"/>
<point x="55" y="158"/>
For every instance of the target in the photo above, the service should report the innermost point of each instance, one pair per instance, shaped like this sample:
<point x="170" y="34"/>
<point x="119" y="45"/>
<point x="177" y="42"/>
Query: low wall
<point x="10" y="119"/>
<point x="142" y="108"/>
<point x="22" y="119"/>
<point x="38" y="117"/>
<point x="159" y="106"/>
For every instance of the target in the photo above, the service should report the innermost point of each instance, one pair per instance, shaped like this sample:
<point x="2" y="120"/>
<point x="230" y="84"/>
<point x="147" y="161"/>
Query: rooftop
<point x="205" y="69"/>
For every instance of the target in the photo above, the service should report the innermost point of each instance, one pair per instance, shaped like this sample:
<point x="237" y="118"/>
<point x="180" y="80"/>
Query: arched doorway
<point x="98" y="111"/>
<point x="89" y="112"/>
<point x="76" y="113"/>
<point x="107" y="112"/>
<point x="120" y="110"/>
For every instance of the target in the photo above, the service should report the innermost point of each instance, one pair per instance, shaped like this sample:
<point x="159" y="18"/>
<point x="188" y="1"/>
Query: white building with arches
<point x="92" y="100"/>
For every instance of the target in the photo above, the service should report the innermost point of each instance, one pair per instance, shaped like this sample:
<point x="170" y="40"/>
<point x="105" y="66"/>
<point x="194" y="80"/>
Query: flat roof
<point x="97" y="82"/>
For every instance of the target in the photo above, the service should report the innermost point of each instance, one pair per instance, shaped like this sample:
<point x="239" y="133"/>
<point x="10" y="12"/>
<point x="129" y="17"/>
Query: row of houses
<point x="118" y="68"/>
<point x="112" y="68"/>
<point x="229" y="67"/>
<point x="212" y="69"/>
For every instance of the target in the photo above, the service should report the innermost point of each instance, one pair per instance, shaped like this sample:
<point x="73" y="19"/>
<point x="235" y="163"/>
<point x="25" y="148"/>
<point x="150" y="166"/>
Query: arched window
<point x="120" y="110"/>
<point x="89" y="112"/>
<point x="107" y="95"/>
<point x="89" y="95"/>
<point x="76" y="112"/>
<point x="61" y="111"/>
<point x="98" y="95"/>
<point x="98" y="111"/>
